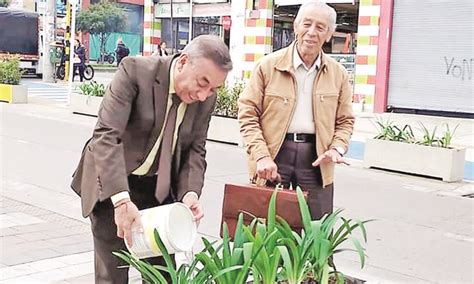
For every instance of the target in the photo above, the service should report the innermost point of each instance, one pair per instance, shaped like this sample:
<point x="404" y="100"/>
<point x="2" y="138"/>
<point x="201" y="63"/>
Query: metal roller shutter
<point x="432" y="59"/>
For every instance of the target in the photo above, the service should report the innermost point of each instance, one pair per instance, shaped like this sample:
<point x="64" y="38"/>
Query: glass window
<point x="282" y="37"/>
<point x="207" y="26"/>
<point x="180" y="33"/>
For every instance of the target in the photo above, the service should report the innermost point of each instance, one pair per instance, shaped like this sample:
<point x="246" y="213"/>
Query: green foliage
<point x="5" y="3"/>
<point x="266" y="251"/>
<point x="445" y="140"/>
<point x="101" y="19"/>
<point x="430" y="138"/>
<point x="10" y="72"/>
<point x="226" y="104"/>
<point x="92" y="89"/>
<point x="389" y="131"/>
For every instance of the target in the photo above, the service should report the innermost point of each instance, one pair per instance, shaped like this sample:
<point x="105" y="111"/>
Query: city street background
<point x="423" y="231"/>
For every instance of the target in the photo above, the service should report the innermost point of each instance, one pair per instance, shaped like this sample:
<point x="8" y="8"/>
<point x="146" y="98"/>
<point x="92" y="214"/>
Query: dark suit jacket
<point x="130" y="119"/>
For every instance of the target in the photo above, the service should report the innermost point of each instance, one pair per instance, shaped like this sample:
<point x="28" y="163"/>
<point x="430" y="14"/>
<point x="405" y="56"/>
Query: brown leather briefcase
<point x="255" y="199"/>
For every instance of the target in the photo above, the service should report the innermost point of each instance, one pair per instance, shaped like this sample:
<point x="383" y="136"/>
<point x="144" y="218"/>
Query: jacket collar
<point x="163" y="72"/>
<point x="286" y="61"/>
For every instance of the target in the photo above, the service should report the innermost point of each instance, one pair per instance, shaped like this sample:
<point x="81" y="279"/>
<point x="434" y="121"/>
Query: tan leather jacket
<point x="267" y="104"/>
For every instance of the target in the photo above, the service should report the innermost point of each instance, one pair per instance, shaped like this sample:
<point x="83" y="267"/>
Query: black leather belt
<point x="300" y="137"/>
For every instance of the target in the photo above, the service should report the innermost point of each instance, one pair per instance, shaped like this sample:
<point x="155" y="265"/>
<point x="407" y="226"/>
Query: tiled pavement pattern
<point x="39" y="246"/>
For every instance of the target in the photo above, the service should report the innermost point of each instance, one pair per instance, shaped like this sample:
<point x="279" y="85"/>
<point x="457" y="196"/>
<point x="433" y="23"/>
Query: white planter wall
<point x="14" y="94"/>
<point x="224" y="129"/>
<point x="20" y="94"/>
<point x="445" y="163"/>
<point x="85" y="104"/>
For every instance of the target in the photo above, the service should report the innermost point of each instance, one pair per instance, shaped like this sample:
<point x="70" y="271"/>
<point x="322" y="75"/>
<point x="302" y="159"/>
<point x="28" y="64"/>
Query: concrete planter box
<point x="444" y="163"/>
<point x="13" y="94"/>
<point x="83" y="104"/>
<point x="224" y="129"/>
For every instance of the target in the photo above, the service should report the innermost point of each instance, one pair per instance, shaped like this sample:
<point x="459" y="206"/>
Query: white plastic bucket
<point x="175" y="224"/>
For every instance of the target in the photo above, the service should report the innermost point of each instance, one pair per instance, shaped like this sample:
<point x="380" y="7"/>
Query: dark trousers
<point x="294" y="166"/>
<point x="79" y="67"/>
<point x="104" y="230"/>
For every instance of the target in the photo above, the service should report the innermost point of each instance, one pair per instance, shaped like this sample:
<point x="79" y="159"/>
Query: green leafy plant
<point x="5" y="3"/>
<point x="445" y="140"/>
<point x="229" y="266"/>
<point x="266" y="251"/>
<point x="388" y="131"/>
<point x="429" y="137"/>
<point x="226" y="104"/>
<point x="267" y="260"/>
<point x="10" y="72"/>
<point x="154" y="274"/>
<point x="92" y="89"/>
<point x="391" y="132"/>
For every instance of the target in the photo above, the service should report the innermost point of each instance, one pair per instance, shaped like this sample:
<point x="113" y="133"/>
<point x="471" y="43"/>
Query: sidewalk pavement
<point x="423" y="232"/>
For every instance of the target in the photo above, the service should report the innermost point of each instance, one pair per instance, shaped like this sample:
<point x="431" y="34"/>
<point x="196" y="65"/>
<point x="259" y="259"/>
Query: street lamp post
<point x="190" y="29"/>
<point x="172" y="32"/>
<point x="71" y="47"/>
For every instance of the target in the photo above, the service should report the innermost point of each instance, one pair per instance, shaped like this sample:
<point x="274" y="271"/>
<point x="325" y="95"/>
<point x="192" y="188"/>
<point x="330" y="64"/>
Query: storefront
<point x="206" y="16"/>
<point x="431" y="61"/>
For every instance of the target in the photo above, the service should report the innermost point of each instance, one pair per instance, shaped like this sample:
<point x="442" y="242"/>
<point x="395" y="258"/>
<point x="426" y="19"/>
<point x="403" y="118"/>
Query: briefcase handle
<point x="263" y="182"/>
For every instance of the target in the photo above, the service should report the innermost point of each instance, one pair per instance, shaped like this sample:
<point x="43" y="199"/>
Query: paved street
<point x="56" y="94"/>
<point x="423" y="233"/>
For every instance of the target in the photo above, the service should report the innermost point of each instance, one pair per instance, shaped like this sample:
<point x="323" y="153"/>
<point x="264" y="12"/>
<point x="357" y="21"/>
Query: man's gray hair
<point x="318" y="4"/>
<point x="210" y="47"/>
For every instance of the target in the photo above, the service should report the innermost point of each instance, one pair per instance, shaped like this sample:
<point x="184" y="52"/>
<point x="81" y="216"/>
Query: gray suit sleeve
<point x="114" y="113"/>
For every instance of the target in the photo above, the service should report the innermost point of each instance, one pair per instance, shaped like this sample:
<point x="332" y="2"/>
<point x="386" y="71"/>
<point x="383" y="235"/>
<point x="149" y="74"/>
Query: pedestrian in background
<point x="148" y="146"/>
<point x="295" y="113"/>
<point x="79" y="60"/>
<point x="162" y="49"/>
<point x="121" y="51"/>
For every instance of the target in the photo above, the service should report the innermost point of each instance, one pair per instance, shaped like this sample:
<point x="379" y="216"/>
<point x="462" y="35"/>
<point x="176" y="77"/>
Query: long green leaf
<point x="238" y="236"/>
<point x="166" y="256"/>
<point x="360" y="250"/>
<point x="272" y="211"/>
<point x="304" y="210"/>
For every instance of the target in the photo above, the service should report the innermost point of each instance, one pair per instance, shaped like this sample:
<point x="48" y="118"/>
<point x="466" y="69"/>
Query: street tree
<point x="5" y="3"/>
<point x="101" y="19"/>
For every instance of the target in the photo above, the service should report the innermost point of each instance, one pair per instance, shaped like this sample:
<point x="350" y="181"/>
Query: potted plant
<point x="265" y="251"/>
<point x="396" y="148"/>
<point x="224" y="126"/>
<point x="89" y="100"/>
<point x="10" y="74"/>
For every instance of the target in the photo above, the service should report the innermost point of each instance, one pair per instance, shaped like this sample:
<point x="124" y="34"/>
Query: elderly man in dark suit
<point x="148" y="147"/>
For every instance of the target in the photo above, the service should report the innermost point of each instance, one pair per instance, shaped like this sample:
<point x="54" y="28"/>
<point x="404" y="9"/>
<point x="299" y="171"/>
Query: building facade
<point x="405" y="56"/>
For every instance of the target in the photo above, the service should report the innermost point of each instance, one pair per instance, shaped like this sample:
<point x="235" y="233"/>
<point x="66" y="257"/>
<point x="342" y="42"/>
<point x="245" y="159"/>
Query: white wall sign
<point x="180" y="10"/>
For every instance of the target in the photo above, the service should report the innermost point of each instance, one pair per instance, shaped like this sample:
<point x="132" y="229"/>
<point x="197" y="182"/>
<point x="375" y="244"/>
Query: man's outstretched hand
<point x="330" y="155"/>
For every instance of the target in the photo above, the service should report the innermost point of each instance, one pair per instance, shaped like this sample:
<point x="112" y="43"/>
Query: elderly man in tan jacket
<point x="295" y="114"/>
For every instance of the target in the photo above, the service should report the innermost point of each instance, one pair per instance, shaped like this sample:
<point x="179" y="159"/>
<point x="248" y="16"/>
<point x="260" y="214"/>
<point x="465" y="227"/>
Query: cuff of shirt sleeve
<point x="191" y="192"/>
<point x="119" y="196"/>
<point x="340" y="150"/>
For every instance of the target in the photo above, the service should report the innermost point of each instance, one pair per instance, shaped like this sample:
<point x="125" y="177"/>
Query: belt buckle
<point x="295" y="138"/>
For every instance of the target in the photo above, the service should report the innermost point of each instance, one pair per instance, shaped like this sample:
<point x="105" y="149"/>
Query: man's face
<point x="312" y="31"/>
<point x="197" y="79"/>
